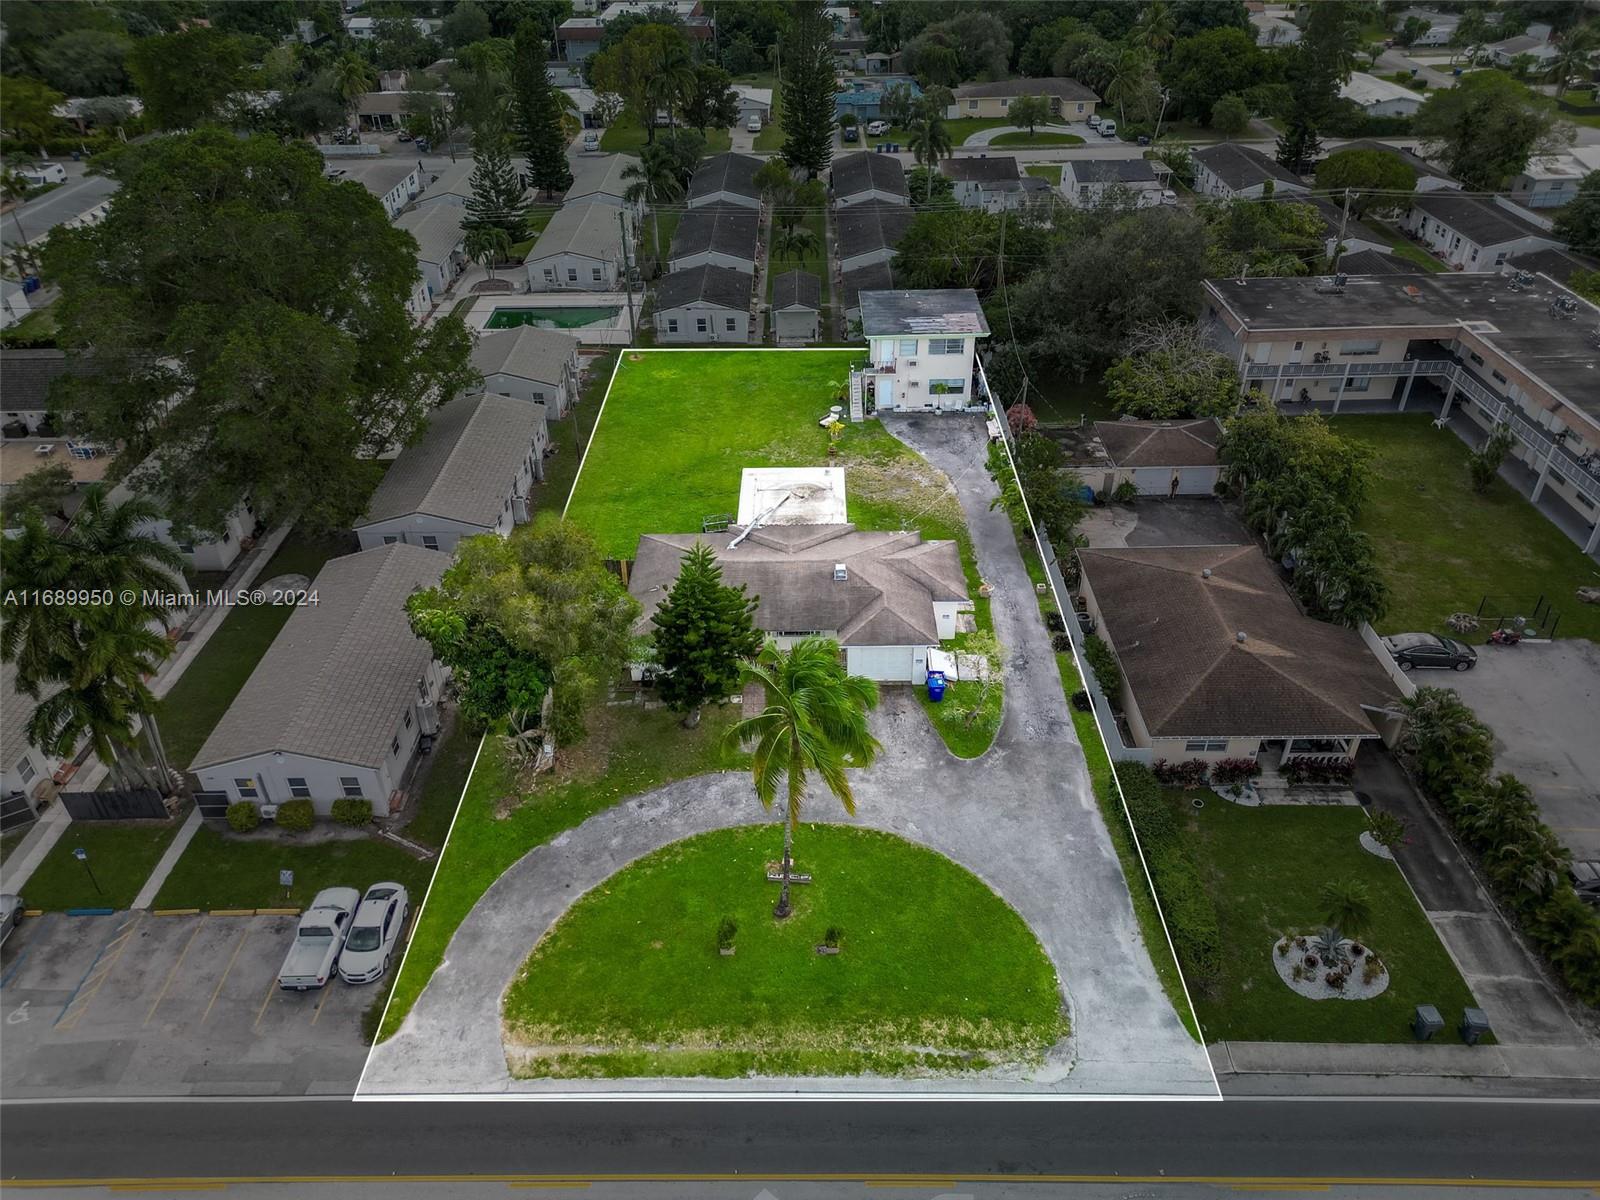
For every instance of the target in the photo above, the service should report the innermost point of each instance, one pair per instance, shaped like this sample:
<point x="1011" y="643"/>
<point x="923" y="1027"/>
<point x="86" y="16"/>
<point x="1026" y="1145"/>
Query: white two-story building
<point x="922" y="347"/>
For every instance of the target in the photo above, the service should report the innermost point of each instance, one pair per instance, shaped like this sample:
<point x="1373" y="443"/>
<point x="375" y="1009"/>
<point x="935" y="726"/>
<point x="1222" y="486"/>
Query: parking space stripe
<point x="243" y="937"/>
<point x="96" y="978"/>
<point x="265" y="1000"/>
<point x="16" y="965"/>
<point x="321" y="1000"/>
<point x="173" y="974"/>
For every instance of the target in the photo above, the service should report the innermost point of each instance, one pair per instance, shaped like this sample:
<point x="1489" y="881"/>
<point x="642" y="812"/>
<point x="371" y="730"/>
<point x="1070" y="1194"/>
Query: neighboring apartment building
<point x="1549" y="181"/>
<point x="1085" y="182"/>
<point x="25" y="770"/>
<point x="988" y="182"/>
<point x="1499" y="353"/>
<point x="395" y="184"/>
<point x="468" y="474"/>
<point x="705" y="304"/>
<point x="202" y="551"/>
<point x="867" y="177"/>
<point x="601" y="178"/>
<point x="530" y="364"/>
<point x="796" y="308"/>
<point x="867" y="233"/>
<point x="441" y="254"/>
<point x="581" y="249"/>
<point x="724" y="235"/>
<point x="339" y="703"/>
<point x="1429" y="177"/>
<point x="1230" y="171"/>
<point x="1472" y="234"/>
<point x="921" y="347"/>
<point x="1438" y="28"/>
<point x="726" y="179"/>
<point x="1069" y="99"/>
<point x="26" y="376"/>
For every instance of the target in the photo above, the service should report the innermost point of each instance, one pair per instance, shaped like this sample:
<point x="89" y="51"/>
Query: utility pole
<point x="1344" y="222"/>
<point x="627" y="274"/>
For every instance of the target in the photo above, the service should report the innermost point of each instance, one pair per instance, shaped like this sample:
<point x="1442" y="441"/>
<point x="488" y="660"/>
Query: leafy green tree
<point x="1053" y="494"/>
<point x="1230" y="116"/>
<point x="808" y="89"/>
<point x="1578" y="221"/>
<point x="1486" y="128"/>
<point x="1174" y="374"/>
<point x="704" y="634"/>
<point x="1211" y="65"/>
<point x="1132" y="86"/>
<point x="29" y="111"/>
<point x="487" y="245"/>
<point x="650" y="64"/>
<point x="1379" y="180"/>
<point x="536" y="113"/>
<point x="1029" y="112"/>
<point x="558" y="619"/>
<point x="465" y="24"/>
<point x="1453" y="751"/>
<point x="248" y="323"/>
<point x="400" y="44"/>
<point x="897" y="105"/>
<point x="935" y="187"/>
<point x="1483" y="464"/>
<point x="497" y="193"/>
<point x="87" y="62"/>
<point x="712" y="103"/>
<point x="655" y="180"/>
<point x="1410" y="30"/>
<point x="1347" y="906"/>
<point x="313" y="110"/>
<point x="1586" y="284"/>
<point x="929" y="141"/>
<point x="86" y="664"/>
<point x="814" y="723"/>
<point x="1279" y="239"/>
<point x="41" y="490"/>
<point x="185" y="79"/>
<point x="740" y="56"/>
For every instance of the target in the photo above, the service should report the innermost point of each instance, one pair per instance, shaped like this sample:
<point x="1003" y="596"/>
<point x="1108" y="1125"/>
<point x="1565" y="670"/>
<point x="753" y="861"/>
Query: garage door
<point x="887" y="664"/>
<point x="1152" y="481"/>
<point x="1197" y="481"/>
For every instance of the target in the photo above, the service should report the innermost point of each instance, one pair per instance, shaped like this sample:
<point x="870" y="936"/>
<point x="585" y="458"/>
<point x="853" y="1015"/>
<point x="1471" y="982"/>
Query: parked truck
<point x="318" y="940"/>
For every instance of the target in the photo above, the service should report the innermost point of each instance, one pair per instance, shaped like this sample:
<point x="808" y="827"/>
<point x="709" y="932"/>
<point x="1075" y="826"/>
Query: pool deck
<point x="614" y="332"/>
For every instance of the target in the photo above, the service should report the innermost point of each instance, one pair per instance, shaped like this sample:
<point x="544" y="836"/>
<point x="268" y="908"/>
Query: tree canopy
<point x="1486" y="128"/>
<point x="185" y="79"/>
<point x="808" y="90"/>
<point x="1578" y="221"/>
<point x="704" y="634"/>
<point x="1379" y="180"/>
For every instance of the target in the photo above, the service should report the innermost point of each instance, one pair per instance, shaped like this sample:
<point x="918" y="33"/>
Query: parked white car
<point x="753" y="123"/>
<point x="318" y="940"/>
<point x="591" y="140"/>
<point x="374" y="933"/>
<point x="877" y="128"/>
<point x="10" y="914"/>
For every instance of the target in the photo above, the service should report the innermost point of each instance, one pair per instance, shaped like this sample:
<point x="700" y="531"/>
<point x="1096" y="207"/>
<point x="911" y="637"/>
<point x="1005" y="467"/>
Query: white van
<point x="44" y="173"/>
<point x="753" y="125"/>
<point x="1108" y="128"/>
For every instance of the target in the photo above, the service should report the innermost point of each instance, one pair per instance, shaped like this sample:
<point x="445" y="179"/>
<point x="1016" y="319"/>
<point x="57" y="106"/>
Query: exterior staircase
<point x="858" y="396"/>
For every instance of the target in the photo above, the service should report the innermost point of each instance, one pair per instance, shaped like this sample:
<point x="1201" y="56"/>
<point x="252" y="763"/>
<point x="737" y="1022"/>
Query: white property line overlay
<point x="662" y="1096"/>
<point x="1083" y="678"/>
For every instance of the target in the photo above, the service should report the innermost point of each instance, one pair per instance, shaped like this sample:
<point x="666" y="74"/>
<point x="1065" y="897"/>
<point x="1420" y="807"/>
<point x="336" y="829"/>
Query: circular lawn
<point x="934" y="973"/>
<point x="1024" y="138"/>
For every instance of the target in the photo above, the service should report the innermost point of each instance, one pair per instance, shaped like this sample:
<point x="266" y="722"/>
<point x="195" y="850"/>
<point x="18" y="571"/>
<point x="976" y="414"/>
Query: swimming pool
<point x="552" y="318"/>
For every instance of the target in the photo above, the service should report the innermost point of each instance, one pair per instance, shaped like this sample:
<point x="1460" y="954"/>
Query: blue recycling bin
<point x="936" y="686"/>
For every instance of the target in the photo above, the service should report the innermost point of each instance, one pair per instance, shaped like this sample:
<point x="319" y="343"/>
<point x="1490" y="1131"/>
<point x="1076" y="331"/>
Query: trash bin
<point x="1426" y="1022"/>
<point x="1474" y="1024"/>
<point x="936" y="686"/>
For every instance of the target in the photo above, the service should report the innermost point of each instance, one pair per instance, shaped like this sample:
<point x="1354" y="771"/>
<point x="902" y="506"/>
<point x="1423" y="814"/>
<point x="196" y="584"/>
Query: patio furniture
<point x="44" y="450"/>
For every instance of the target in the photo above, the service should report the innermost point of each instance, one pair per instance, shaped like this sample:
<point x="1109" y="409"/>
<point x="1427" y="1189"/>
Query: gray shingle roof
<point x="713" y="285"/>
<point x="994" y="168"/>
<point x="862" y="228"/>
<point x="935" y="311"/>
<point x="1174" y="631"/>
<point x="1112" y="170"/>
<point x="1242" y="167"/>
<point x="894" y="579"/>
<point x="725" y="173"/>
<point x="437" y="229"/>
<point x="720" y="228"/>
<point x="587" y="228"/>
<point x="341" y="674"/>
<point x="26" y="376"/>
<point x="873" y="277"/>
<point x="18" y="711"/>
<point x="1067" y="89"/>
<point x="1480" y="221"/>
<point x="600" y="175"/>
<point x="379" y="176"/>
<point x="539" y="355"/>
<point x="797" y="289"/>
<point x="865" y="172"/>
<point x="464" y="463"/>
<point x="1160" y="443"/>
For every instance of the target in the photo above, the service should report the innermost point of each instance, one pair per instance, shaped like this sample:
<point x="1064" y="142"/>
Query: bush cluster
<point x="1318" y="771"/>
<point x="1190" y="915"/>
<point x="1234" y="770"/>
<point x="295" y="815"/>
<point x="1185" y="773"/>
<point x="1105" y="667"/>
<point x="353" y="811"/>
<point x="243" y="816"/>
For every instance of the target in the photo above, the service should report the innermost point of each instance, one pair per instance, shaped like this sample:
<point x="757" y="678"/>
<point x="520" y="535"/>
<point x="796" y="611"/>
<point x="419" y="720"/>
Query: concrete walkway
<point x="180" y="842"/>
<point x="30" y="852"/>
<point x="1022" y="818"/>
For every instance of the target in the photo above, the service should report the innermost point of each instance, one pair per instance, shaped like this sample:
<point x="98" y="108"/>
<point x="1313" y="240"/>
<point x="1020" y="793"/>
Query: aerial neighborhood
<point x="808" y="549"/>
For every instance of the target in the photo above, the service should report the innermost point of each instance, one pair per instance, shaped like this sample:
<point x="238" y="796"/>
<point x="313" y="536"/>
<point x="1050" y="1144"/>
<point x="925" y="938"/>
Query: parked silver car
<point x="374" y="933"/>
<point x="319" y="940"/>
<point x="10" y="914"/>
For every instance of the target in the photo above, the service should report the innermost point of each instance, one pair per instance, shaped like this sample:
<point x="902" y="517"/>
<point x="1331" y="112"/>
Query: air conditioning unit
<point x="269" y="812"/>
<point x="840" y="571"/>
<point x="428" y="718"/>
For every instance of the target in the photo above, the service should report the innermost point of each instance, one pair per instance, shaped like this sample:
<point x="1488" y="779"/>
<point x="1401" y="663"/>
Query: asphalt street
<point x="1245" y="1142"/>
<point x="38" y="216"/>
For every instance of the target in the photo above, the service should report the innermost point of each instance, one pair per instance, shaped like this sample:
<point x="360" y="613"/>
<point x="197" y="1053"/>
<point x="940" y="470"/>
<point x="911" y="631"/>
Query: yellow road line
<point x="84" y="998"/>
<point x="272" y="986"/>
<point x="233" y="912"/>
<point x="238" y="946"/>
<point x="173" y="974"/>
<point x="552" y="1184"/>
<point x="277" y="912"/>
<point x="174" y="912"/>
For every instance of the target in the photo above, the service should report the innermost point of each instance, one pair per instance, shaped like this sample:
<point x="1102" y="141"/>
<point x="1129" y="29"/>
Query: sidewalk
<point x="25" y="859"/>
<point x="1403" y="1069"/>
<point x="163" y="868"/>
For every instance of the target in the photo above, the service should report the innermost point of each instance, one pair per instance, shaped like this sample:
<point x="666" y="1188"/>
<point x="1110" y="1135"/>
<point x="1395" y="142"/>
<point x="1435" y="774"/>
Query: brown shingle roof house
<point x="1160" y="443"/>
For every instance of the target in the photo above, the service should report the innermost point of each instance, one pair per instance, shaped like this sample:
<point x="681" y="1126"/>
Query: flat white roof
<point x="1369" y="89"/>
<point x="808" y="495"/>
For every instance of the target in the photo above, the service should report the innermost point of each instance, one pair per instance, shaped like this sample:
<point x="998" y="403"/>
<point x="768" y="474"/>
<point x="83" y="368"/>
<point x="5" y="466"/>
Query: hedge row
<point x="1190" y="915"/>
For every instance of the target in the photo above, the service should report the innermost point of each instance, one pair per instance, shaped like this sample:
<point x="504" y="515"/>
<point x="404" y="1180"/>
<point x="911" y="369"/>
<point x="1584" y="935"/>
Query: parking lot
<point x="136" y="1004"/>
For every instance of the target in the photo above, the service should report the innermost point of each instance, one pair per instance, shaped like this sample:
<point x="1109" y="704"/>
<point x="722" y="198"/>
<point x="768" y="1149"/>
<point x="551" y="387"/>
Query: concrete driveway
<point x="1543" y="702"/>
<point x="1022" y="818"/>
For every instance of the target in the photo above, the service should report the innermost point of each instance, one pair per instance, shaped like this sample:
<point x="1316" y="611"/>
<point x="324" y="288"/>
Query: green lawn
<point x="502" y="817"/>
<point x="629" y="981"/>
<point x="1060" y="399"/>
<point x="1414" y="253"/>
<point x="451" y="763"/>
<point x="1264" y="869"/>
<point x="537" y="217"/>
<point x="1443" y="546"/>
<point x="815" y="261"/>
<point x="967" y="718"/>
<point x="1047" y="171"/>
<point x="227" y="871"/>
<point x="627" y="136"/>
<point x="959" y="130"/>
<point x="771" y="136"/>
<point x="121" y="856"/>
<point x="1036" y="139"/>
<point x="667" y="224"/>
<point x="208" y="685"/>
<point x="38" y="325"/>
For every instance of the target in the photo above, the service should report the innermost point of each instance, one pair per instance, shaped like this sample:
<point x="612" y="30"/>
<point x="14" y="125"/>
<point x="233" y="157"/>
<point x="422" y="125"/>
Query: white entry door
<point x="885" y="393"/>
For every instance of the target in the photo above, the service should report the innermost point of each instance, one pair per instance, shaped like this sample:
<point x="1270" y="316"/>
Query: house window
<point x="247" y="789"/>
<point x="947" y="387"/>
<point x="430" y="542"/>
<point x="1005" y="102"/>
<point x="390" y="539"/>
<point x="298" y="788"/>
<point x="1080" y="106"/>
<point x="672" y="324"/>
<point x="572" y="274"/>
<point x="596" y="272"/>
<point x="947" y="345"/>
<point x="350" y="785"/>
<point x="408" y="718"/>
<point x="1497" y="377"/>
<point x="1359" y="349"/>
<point x="732" y="324"/>
<point x="1360" y="383"/>
<point x="972" y="105"/>
<point x="549" y="274"/>
<point x="908" y="346"/>
<point x="394" y="745"/>
<point x="700" y="324"/>
<point x="25" y="769"/>
<point x="1206" y="745"/>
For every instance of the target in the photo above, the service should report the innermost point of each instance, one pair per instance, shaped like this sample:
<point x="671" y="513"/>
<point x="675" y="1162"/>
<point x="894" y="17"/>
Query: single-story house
<point x="1160" y="458"/>
<point x="726" y="179"/>
<point x="395" y="184"/>
<point x="202" y="551"/>
<point x="584" y="100"/>
<point x="796" y="307"/>
<point x="1380" y="97"/>
<point x="863" y="98"/>
<point x="1231" y="171"/>
<point x="865" y="176"/>
<point x="1375" y="262"/>
<point x="25" y="380"/>
<point x="1068" y="98"/>
<point x="25" y="770"/>
<point x="467" y="475"/>
<point x="1548" y="181"/>
<point x="529" y="364"/>
<point x="440" y="252"/>
<point x="381" y="111"/>
<point x="1535" y="44"/>
<point x="1274" y="30"/>
<point x="753" y="102"/>
<point x="879" y="62"/>
<point x="339" y="702"/>
<point x="868" y="233"/>
<point x="580" y="249"/>
<point x="14" y="304"/>
<point x="451" y="186"/>
<point x="1429" y="177"/>
<point x="599" y="177"/>
<point x="1218" y="661"/>
<point x="1357" y="234"/>
<point x="990" y="183"/>
<point x="1438" y="28"/>
<point x="366" y="28"/>
<point x="887" y="598"/>
<point x="722" y="235"/>
<point x="1473" y="234"/>
<point x="874" y="277"/>
<point x="705" y="303"/>
<point x="1085" y="181"/>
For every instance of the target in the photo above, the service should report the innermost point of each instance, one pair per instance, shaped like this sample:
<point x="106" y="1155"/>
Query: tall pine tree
<point x="808" y="90"/>
<point x="536" y="112"/>
<point x="704" y="630"/>
<point x="496" y="200"/>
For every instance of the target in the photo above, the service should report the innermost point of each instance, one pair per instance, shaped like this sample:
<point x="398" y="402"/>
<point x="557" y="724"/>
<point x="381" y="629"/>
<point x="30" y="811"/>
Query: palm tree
<point x="352" y="76"/>
<point x="1347" y="906"/>
<point x="487" y="245"/>
<point x="1156" y="29"/>
<point x="654" y="180"/>
<point x="672" y="82"/>
<point x="929" y="141"/>
<point x="815" y="721"/>
<point x="1576" y="48"/>
<point x="792" y="244"/>
<point x="1130" y="81"/>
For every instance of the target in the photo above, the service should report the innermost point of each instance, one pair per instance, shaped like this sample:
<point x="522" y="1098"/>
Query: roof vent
<point x="1239" y="637"/>
<point x="1205" y="573"/>
<point x="841" y="572"/>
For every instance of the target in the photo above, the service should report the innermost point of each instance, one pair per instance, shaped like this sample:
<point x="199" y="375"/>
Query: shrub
<point x="726" y="928"/>
<point x="1388" y="830"/>
<point x="1061" y="643"/>
<point x="833" y="936"/>
<point x="352" y="811"/>
<point x="1335" y="980"/>
<point x="1125" y="492"/>
<point x="1311" y="960"/>
<point x="1324" y="772"/>
<point x="243" y="816"/>
<point x="1152" y="814"/>
<point x="295" y="815"/>
<point x="1188" y="774"/>
<point x="1234" y="770"/>
<point x="1105" y="667"/>
<point x="1371" y="971"/>
<point x="1081" y="701"/>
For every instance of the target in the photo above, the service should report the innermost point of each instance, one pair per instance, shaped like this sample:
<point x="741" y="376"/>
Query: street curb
<point x="174" y="912"/>
<point x="90" y="912"/>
